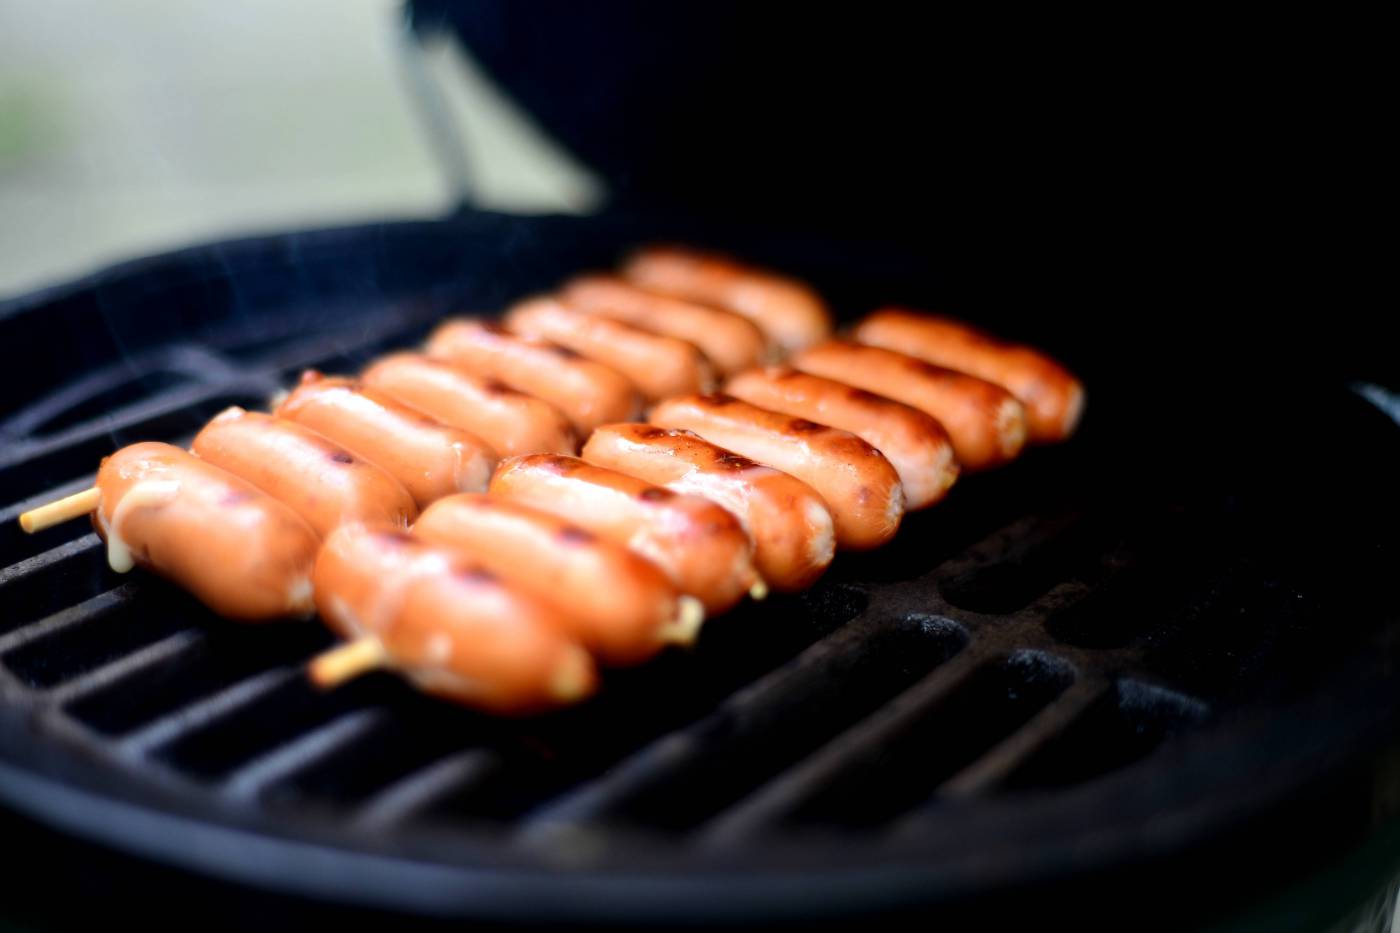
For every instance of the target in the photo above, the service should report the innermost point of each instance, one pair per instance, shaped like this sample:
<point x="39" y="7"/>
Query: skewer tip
<point x="573" y="678"/>
<point x="759" y="590"/>
<point x="346" y="662"/>
<point x="685" y="627"/>
<point x="61" y="510"/>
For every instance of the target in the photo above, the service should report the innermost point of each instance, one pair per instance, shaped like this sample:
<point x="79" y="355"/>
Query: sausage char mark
<point x="340" y="456"/>
<point x="572" y="534"/>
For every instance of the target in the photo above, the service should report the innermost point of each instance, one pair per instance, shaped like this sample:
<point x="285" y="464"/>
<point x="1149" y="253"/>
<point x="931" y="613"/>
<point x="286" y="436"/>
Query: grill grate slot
<point x="53" y="581"/>
<point x="224" y="656"/>
<point x="995" y="701"/>
<point x="103" y="630"/>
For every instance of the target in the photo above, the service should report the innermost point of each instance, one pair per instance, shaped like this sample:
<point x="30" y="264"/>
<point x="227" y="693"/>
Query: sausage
<point x="430" y="459"/>
<point x="913" y="441"/>
<point x="620" y="605"/>
<point x="658" y="365"/>
<point x="794" y="539"/>
<point x="729" y="341"/>
<point x="511" y="422"/>
<point x="701" y="546"/>
<point x="860" y="487"/>
<point x="238" y="550"/>
<point x="322" y="482"/>
<point x="986" y="423"/>
<point x="788" y="312"/>
<point x="586" y="391"/>
<point x="1053" y="397"/>
<point x="447" y="623"/>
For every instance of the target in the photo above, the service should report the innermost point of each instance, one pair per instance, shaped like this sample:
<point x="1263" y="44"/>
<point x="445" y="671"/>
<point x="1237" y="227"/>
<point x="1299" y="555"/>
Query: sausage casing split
<point x="587" y="391"/>
<point x="450" y="625"/>
<point x="701" y="546"/>
<point x="322" y="481"/>
<point x="429" y="458"/>
<point x="794" y="538"/>
<point x="913" y="441"/>
<point x="729" y="341"/>
<point x="238" y="550"/>
<point x="790" y="312"/>
<point x="511" y="422"/>
<point x="1053" y="397"/>
<point x="986" y="423"/>
<point x="658" y="365"/>
<point x="617" y="603"/>
<point x="859" y="485"/>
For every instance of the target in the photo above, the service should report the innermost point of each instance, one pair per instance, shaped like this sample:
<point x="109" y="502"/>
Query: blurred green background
<point x="134" y="127"/>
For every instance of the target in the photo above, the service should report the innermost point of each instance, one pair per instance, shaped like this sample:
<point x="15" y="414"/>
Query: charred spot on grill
<point x="733" y="462"/>
<point x="476" y="575"/>
<point x="803" y="426"/>
<point x="655" y="494"/>
<point x="495" y="387"/>
<point x="572" y="534"/>
<point x="340" y="456"/>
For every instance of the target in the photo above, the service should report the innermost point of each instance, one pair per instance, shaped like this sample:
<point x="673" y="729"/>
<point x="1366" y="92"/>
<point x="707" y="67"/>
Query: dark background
<point x="1194" y="185"/>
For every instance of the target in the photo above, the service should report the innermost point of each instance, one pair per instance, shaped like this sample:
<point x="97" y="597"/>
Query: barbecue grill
<point x="1150" y="674"/>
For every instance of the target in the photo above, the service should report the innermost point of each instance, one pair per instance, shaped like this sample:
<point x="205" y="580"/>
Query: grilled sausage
<point x="238" y="550"/>
<point x="430" y="459"/>
<point x="450" y="625"/>
<point x="658" y="365"/>
<point x="914" y="443"/>
<point x="729" y="341"/>
<point x="701" y="546"/>
<point x="1053" y="398"/>
<point x="986" y="423"/>
<point x="620" y="605"/>
<point x="588" y="392"/>
<point x="511" y="422"/>
<point x="322" y="482"/>
<point x="859" y="485"/>
<point x="790" y="525"/>
<point x="789" y="312"/>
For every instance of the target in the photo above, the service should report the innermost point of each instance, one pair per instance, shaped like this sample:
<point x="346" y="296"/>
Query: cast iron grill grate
<point x="993" y="646"/>
<point x="1051" y="626"/>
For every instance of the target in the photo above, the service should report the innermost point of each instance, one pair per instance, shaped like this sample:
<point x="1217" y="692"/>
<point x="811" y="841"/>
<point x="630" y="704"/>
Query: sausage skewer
<point x="1053" y="397"/>
<point x="792" y="530"/>
<point x="859" y="485"/>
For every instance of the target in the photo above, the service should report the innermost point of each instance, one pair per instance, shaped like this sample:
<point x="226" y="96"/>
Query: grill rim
<point x="884" y="883"/>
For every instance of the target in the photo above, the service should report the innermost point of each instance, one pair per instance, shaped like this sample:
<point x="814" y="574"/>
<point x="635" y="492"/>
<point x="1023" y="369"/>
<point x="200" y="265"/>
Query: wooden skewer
<point x="346" y="662"/>
<point x="759" y="590"/>
<point x="683" y="629"/>
<point x="65" y="509"/>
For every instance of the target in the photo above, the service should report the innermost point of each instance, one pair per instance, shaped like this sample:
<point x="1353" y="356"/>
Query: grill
<point x="1135" y="659"/>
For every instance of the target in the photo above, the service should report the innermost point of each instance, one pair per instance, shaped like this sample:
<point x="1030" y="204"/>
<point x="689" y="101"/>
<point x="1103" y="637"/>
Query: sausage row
<point x="501" y="600"/>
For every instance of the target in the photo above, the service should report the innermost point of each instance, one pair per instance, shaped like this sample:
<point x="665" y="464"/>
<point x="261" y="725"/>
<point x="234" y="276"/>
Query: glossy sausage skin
<point x="860" y="487"/>
<point x="729" y="341"/>
<point x="323" y="482"/>
<point x="511" y="422"/>
<point x="587" y="391"/>
<point x="913" y="441"/>
<point x="617" y="603"/>
<point x="429" y="458"/>
<point x="700" y="545"/>
<point x="789" y="312"/>
<point x="986" y="423"/>
<point x="659" y="366"/>
<point x="450" y="625"/>
<point x="238" y="550"/>
<point x="1054" y="399"/>
<point x="794" y="538"/>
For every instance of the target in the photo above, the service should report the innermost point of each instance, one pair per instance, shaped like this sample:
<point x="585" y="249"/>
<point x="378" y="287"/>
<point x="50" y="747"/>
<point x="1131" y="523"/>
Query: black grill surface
<point x="1157" y="655"/>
